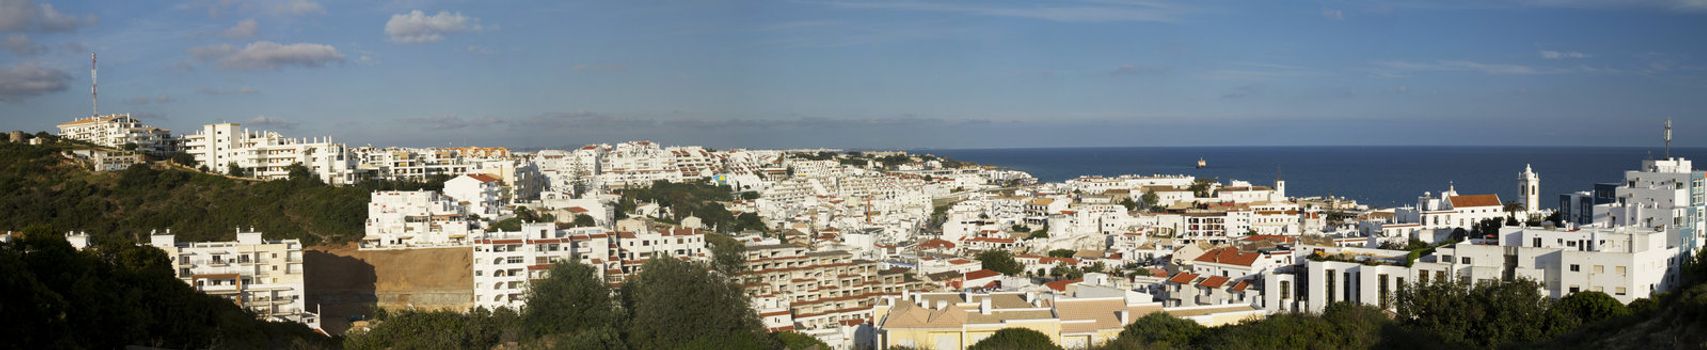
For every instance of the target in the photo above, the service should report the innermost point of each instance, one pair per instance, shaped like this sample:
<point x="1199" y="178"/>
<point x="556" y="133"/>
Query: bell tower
<point x="1529" y="188"/>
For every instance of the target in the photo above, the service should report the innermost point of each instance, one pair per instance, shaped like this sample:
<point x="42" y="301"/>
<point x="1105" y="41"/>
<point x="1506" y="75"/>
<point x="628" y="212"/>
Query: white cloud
<point x="268" y="55"/>
<point x="1081" y="11"/>
<point x="1668" y="5"/>
<point x="25" y="15"/>
<point x="231" y="91"/>
<point x="265" y="121"/>
<point x="1560" y="55"/>
<point x="143" y="100"/>
<point x="244" y="29"/>
<point x="28" y="79"/>
<point x="1396" y="68"/>
<point x="417" y="27"/>
<point x="299" y="7"/>
<point x="20" y="44"/>
<point x="1333" y="14"/>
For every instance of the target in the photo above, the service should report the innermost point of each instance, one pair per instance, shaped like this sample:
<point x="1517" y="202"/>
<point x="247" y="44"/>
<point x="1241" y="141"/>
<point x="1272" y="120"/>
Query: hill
<point x="40" y="188"/>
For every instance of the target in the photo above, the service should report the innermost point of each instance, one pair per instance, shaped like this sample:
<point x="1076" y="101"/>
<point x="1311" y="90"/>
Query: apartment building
<point x="268" y="155"/>
<point x="265" y="277"/>
<point x="118" y="131"/>
<point x="1664" y="195"/>
<point x="635" y="248"/>
<point x="415" y="219"/>
<point x="480" y="194"/>
<point x="1625" y="263"/>
<point x="821" y="290"/>
<point x="505" y="263"/>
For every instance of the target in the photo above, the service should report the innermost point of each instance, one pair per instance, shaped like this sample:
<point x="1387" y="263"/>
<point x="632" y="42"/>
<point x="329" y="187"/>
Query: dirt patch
<point x="347" y="283"/>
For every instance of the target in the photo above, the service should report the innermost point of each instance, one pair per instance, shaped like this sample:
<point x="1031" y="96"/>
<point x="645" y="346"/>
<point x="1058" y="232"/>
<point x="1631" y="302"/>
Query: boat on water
<point x="1202" y="163"/>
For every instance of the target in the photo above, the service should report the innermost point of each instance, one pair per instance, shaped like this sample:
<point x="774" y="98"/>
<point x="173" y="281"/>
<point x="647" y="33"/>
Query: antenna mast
<point x="1668" y="138"/>
<point x="94" y="87"/>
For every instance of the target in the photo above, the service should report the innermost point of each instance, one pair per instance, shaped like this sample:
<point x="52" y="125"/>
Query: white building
<point x="267" y="155"/>
<point x="264" y="277"/>
<point x="1666" y="195"/>
<point x="478" y="193"/>
<point x="119" y="130"/>
<point x="505" y="263"/>
<point x="1627" y="264"/>
<point x="414" y="218"/>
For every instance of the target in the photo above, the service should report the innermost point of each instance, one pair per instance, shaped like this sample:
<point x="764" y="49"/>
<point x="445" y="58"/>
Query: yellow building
<point x="957" y="320"/>
<point x="1082" y="316"/>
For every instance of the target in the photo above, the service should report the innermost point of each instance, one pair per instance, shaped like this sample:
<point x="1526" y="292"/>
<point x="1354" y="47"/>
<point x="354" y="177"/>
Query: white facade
<point x="505" y="263"/>
<point x="414" y="219"/>
<point x="267" y="155"/>
<point x="479" y="193"/>
<point x="118" y="130"/>
<point x="264" y="277"/>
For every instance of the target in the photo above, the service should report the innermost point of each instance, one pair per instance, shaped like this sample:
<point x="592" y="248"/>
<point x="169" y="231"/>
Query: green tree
<point x="1485" y="315"/>
<point x="1063" y="253"/>
<point x="1015" y="339"/>
<point x="184" y="159"/>
<point x="1000" y="261"/>
<point x="1201" y="188"/>
<point x="1150" y="199"/>
<point x="797" y="341"/>
<point x="1158" y="330"/>
<point x="1590" y="307"/>
<point x="570" y="299"/>
<point x="1129" y="204"/>
<point x="669" y="294"/>
<point x="115" y="294"/>
<point x="436" y="330"/>
<point x="583" y="220"/>
<point x="234" y="170"/>
<point x="727" y="254"/>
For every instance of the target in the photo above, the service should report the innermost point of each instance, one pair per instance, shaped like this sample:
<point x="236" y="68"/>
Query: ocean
<point x="1378" y="176"/>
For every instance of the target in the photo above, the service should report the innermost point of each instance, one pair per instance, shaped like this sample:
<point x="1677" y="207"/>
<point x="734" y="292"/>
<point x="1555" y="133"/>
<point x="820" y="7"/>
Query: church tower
<point x="1529" y="188"/>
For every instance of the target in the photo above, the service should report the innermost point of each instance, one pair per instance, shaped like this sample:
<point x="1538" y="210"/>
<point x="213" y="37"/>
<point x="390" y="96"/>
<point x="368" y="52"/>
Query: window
<point x="1622" y="272"/>
<point x="1464" y="260"/>
<point x="1576" y="268"/>
<point x="1622" y="291"/>
<point x="1599" y="269"/>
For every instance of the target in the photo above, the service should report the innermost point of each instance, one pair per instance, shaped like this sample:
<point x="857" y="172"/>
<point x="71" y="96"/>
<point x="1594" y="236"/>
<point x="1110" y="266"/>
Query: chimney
<point x="1124" y="316"/>
<point x="941" y="304"/>
<point x="984" y="306"/>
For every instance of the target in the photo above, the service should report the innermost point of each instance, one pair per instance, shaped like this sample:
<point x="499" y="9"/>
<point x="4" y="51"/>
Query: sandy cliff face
<point x="343" y="281"/>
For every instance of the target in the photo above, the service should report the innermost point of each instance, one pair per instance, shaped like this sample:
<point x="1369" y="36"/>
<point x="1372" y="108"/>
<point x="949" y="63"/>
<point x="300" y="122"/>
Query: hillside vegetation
<point x="39" y="188"/>
<point x="113" y="295"/>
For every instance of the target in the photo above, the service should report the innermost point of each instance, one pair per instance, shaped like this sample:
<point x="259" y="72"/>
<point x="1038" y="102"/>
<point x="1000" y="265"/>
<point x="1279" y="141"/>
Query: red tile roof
<point x="959" y="261"/>
<point x="1183" y="278"/>
<point x="1475" y="200"/>
<point x="936" y="243"/>
<point x="1240" y="287"/>
<point x="1230" y="256"/>
<point x="981" y="274"/>
<point x="1214" y="282"/>
<point x="1061" y="285"/>
<point x="483" y="178"/>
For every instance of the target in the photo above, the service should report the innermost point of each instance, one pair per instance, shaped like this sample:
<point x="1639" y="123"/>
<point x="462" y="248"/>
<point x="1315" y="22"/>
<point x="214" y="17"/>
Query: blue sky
<point x="874" y="73"/>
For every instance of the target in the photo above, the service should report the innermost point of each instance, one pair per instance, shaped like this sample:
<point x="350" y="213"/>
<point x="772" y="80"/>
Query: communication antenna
<point x="1668" y="138"/>
<point x="94" y="87"/>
